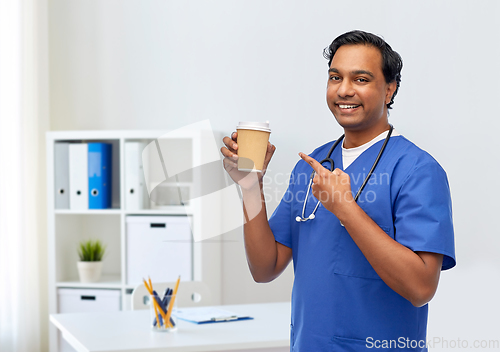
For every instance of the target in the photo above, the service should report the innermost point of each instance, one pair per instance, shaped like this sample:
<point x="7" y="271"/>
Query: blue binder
<point x="99" y="175"/>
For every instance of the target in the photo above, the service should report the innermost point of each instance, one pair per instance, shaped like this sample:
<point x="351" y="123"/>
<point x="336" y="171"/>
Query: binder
<point x="135" y="195"/>
<point x="99" y="175"/>
<point x="78" y="179"/>
<point x="61" y="175"/>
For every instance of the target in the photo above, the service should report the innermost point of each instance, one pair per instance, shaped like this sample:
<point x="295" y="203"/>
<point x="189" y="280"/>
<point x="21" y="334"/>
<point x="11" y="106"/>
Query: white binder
<point x="135" y="194"/>
<point x="61" y="175"/>
<point x="78" y="176"/>
<point x="159" y="247"/>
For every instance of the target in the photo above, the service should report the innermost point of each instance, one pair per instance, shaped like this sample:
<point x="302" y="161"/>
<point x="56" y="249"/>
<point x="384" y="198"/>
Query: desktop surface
<point x="130" y="331"/>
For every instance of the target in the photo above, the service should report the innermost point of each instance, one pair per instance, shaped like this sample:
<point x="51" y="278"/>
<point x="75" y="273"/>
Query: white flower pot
<point x="89" y="271"/>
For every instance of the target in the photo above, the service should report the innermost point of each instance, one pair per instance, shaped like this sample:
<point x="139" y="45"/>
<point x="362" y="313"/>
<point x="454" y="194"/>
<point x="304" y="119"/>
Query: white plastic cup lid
<point x="251" y="125"/>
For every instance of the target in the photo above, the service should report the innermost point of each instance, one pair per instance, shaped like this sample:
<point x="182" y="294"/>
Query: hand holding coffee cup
<point x="248" y="152"/>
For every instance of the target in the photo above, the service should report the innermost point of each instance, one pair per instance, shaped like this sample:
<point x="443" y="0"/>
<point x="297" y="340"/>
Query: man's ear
<point x="391" y="88"/>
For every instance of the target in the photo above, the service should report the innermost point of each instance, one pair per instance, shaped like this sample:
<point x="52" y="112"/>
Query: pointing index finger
<point x="315" y="165"/>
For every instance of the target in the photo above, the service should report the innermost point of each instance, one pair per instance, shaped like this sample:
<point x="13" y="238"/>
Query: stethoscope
<point x="330" y="160"/>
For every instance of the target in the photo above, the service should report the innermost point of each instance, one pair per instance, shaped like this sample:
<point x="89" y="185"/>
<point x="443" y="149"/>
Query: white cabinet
<point x="127" y="231"/>
<point x="72" y="300"/>
<point x="159" y="247"/>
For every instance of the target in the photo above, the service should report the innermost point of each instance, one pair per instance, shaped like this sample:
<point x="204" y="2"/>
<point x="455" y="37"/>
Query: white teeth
<point x="348" y="106"/>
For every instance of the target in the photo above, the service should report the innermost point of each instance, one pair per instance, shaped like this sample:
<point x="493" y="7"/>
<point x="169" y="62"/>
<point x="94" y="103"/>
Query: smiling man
<point x="374" y="230"/>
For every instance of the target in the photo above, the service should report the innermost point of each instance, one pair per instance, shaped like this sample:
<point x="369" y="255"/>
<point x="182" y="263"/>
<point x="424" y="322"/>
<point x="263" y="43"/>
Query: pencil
<point x="172" y="300"/>
<point x="150" y="285"/>
<point x="155" y="304"/>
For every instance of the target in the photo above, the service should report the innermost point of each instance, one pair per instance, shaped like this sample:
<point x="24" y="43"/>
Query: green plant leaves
<point x="91" y="251"/>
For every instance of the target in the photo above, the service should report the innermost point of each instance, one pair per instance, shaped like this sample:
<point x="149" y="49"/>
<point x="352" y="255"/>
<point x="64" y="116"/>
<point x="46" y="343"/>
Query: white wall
<point x="123" y="64"/>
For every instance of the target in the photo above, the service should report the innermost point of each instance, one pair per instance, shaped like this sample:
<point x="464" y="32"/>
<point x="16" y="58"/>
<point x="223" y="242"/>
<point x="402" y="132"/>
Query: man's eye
<point x="362" y="80"/>
<point x="334" y="78"/>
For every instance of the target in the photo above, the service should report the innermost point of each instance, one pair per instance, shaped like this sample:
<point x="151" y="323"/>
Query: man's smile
<point x="347" y="107"/>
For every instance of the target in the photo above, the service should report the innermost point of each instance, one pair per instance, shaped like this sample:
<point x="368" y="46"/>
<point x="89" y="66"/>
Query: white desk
<point x="130" y="331"/>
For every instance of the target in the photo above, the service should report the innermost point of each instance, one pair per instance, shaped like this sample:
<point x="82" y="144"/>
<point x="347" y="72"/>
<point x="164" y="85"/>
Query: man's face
<point x="357" y="93"/>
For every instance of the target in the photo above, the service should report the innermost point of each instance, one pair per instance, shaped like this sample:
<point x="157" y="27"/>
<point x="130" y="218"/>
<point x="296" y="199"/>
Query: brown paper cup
<point x="252" y="146"/>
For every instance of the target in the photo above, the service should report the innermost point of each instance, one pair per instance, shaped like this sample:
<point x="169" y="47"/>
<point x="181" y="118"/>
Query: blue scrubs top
<point x="339" y="303"/>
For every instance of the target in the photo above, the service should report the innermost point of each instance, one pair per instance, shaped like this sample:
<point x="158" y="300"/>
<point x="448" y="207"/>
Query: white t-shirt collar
<point x="349" y="155"/>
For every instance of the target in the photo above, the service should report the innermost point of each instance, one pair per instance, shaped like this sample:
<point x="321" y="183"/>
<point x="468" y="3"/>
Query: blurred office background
<point x="124" y="64"/>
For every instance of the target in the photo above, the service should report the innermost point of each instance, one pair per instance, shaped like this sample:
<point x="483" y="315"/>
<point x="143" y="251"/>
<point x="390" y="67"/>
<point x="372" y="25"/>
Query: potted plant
<point x="90" y="264"/>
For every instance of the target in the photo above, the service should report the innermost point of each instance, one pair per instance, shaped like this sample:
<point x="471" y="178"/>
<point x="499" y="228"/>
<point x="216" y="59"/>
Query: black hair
<point x="391" y="60"/>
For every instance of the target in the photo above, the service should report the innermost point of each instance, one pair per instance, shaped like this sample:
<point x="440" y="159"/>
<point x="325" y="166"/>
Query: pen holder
<point x="164" y="307"/>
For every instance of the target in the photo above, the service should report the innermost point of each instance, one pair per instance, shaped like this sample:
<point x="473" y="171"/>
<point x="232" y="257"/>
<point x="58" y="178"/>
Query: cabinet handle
<point x="157" y="225"/>
<point x="87" y="298"/>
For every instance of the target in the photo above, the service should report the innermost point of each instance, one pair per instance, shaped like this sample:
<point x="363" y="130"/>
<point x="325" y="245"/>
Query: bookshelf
<point x="66" y="227"/>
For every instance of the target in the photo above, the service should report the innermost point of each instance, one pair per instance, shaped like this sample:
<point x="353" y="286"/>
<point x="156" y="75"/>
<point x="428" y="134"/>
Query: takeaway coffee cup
<point x="252" y="145"/>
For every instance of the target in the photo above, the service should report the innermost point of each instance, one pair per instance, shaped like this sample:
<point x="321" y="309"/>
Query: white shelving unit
<point x="67" y="227"/>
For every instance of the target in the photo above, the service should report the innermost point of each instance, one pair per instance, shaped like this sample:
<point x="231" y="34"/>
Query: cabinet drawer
<point x="159" y="247"/>
<point x="88" y="300"/>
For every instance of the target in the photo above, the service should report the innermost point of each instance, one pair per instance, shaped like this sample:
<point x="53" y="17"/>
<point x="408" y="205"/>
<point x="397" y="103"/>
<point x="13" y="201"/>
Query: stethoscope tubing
<point x="367" y="178"/>
<point x="330" y="160"/>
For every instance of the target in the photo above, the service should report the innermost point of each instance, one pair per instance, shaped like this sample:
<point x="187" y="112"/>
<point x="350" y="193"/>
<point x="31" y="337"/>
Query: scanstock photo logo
<point x="184" y="167"/>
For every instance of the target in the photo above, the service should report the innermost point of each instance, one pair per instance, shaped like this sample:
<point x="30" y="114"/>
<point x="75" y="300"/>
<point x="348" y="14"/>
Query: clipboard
<point x="207" y="315"/>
